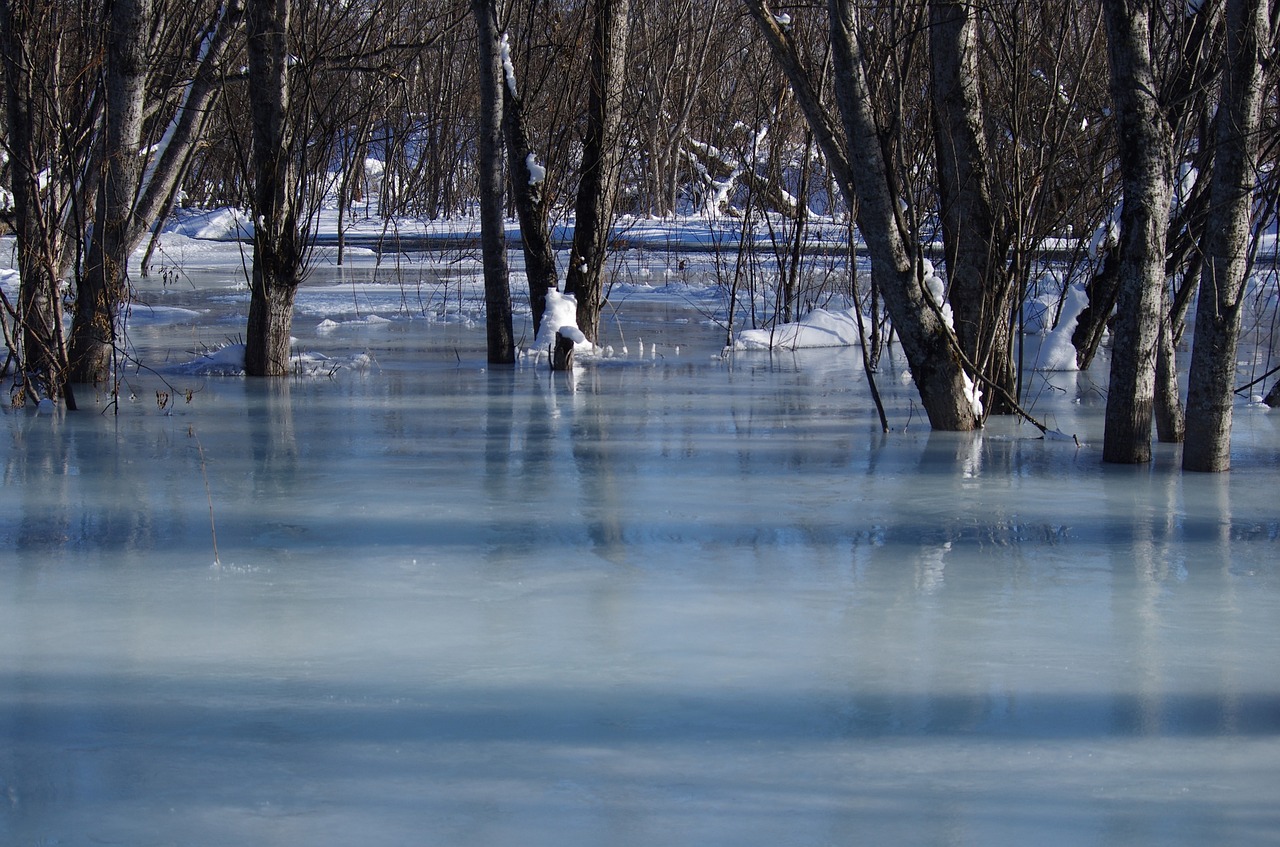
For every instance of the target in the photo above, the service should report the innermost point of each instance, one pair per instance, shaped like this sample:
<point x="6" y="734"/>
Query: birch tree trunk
<point x="1145" y="168"/>
<point x="277" y="247"/>
<point x="492" y="178"/>
<point x="601" y="163"/>
<point x="1226" y="242"/>
<point x="101" y="289"/>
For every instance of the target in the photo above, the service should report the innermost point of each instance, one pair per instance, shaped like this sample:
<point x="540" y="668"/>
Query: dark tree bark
<point x="492" y="174"/>
<point x="601" y="163"/>
<point x="36" y="207"/>
<point x="1211" y="380"/>
<point x="1145" y="167"/>
<point x="981" y="290"/>
<point x="101" y="288"/>
<point x="856" y="158"/>
<point x="277" y="243"/>
<point x="527" y="187"/>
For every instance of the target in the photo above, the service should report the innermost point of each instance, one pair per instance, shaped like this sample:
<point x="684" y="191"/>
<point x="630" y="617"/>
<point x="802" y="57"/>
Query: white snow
<point x="819" y="328"/>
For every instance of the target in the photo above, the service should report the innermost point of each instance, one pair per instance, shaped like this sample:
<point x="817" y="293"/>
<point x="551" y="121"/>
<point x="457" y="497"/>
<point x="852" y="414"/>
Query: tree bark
<point x="101" y="289"/>
<point x="981" y="293"/>
<point x="36" y="208"/>
<point x="601" y="163"/>
<point x="527" y="188"/>
<point x="277" y="247"/>
<point x="1145" y="166"/>
<point x="492" y="177"/>
<point x="1226" y="243"/>
<point x="925" y="339"/>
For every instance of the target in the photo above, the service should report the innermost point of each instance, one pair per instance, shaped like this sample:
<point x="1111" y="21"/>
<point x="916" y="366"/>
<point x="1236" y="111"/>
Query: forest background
<point x="985" y="156"/>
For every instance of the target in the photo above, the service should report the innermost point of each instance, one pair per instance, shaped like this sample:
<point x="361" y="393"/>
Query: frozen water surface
<point x="670" y="599"/>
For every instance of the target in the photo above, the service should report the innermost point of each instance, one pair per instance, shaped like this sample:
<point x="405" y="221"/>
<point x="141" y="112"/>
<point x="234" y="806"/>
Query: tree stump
<point x="562" y="355"/>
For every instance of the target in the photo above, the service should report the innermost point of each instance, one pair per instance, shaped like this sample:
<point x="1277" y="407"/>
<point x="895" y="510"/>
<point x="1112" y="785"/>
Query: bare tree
<point x="601" y="163"/>
<point x="277" y="242"/>
<point x="101" y="287"/>
<point x="855" y="153"/>
<point x="1226" y="241"/>
<point x="1145" y="167"/>
<point x="41" y="174"/>
<point x="981" y="291"/>
<point x="492" y="173"/>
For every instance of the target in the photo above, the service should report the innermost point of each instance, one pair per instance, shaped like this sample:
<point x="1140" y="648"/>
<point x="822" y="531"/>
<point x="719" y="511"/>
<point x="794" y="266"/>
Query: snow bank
<point x="214" y="225"/>
<point x="819" y="328"/>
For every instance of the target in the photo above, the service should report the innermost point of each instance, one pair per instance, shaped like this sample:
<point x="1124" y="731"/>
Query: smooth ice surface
<point x="669" y="599"/>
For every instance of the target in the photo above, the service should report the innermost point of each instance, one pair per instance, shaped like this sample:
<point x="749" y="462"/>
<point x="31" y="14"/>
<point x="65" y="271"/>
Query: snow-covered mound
<point x="819" y="328"/>
<point x="561" y="315"/>
<point x="213" y="225"/>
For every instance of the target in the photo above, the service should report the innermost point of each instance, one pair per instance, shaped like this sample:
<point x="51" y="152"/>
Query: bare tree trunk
<point x="527" y="180"/>
<point x="925" y="339"/>
<point x="492" y="175"/>
<point x="277" y="247"/>
<point x="1226" y="242"/>
<point x="101" y="288"/>
<point x="1169" y="414"/>
<point x="36" y="209"/>
<point x="601" y="163"/>
<point x="981" y="292"/>
<point x="1144" y="147"/>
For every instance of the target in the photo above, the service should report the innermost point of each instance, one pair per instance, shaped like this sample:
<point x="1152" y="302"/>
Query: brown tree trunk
<point x="1145" y="163"/>
<point x="1226" y="243"/>
<point x="601" y="163"/>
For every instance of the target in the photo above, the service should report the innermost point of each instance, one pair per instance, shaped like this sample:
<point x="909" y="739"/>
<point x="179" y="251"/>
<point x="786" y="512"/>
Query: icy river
<point x="673" y="598"/>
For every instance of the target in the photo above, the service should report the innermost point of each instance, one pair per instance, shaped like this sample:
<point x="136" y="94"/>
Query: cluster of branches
<point x="992" y="127"/>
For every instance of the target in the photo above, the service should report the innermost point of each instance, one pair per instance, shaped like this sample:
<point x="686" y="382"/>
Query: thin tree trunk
<point x="1227" y="236"/>
<point x="493" y="239"/>
<point x="527" y="184"/>
<point x="1169" y="415"/>
<point x="101" y="288"/>
<point x="1144" y="147"/>
<point x="601" y="163"/>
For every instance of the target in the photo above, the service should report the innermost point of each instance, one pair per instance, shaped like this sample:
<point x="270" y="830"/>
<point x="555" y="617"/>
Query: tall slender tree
<point x="278" y="248"/>
<point x="981" y="290"/>
<point x="101" y="288"/>
<point x="1226" y="241"/>
<point x="1145" y="166"/>
<point x="492" y="174"/>
<point x="40" y="194"/>
<point x="601" y="162"/>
